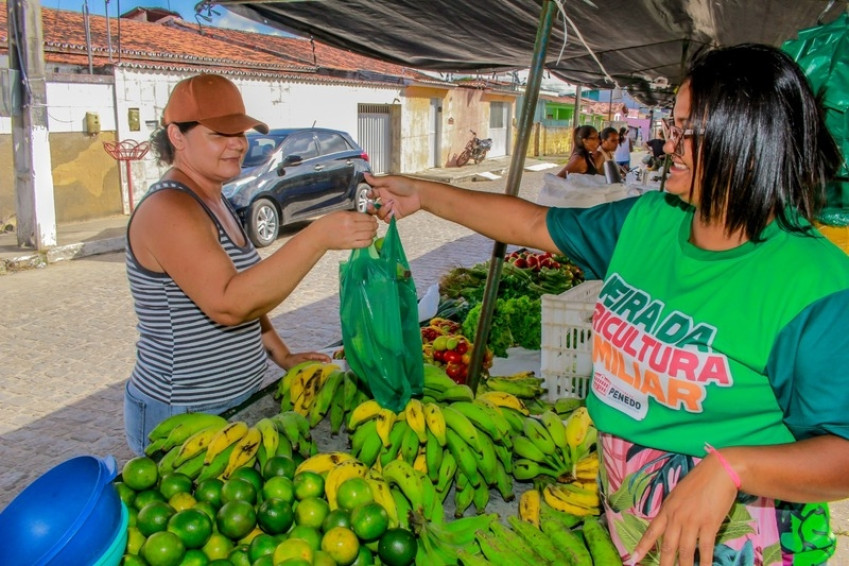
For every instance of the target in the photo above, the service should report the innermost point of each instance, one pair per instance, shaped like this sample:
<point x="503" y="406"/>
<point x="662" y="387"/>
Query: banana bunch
<point x="451" y="542"/>
<point x="316" y="390"/>
<point x="524" y="385"/>
<point x="549" y="447"/>
<point x="294" y="435"/>
<point x="550" y="536"/>
<point x="174" y="430"/>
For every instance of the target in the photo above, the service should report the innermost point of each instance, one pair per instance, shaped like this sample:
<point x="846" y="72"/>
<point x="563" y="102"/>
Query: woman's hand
<point x="398" y="196"/>
<point x="691" y="516"/>
<point x="291" y="360"/>
<point x="345" y="229"/>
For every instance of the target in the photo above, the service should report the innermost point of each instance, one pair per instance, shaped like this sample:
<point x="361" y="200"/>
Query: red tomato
<point x="462" y="347"/>
<point x="452" y="356"/>
<point x="456" y="372"/>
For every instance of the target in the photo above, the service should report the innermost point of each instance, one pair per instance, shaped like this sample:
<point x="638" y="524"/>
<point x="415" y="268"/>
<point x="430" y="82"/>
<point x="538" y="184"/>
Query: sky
<point x="221" y="17"/>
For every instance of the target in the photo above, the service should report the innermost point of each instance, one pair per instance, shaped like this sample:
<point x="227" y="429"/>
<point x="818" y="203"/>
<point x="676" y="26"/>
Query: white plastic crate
<point x="566" y="351"/>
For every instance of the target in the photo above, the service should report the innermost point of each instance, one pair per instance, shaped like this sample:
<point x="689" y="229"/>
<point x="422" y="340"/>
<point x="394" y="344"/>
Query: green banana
<point x="479" y="417"/>
<point x="464" y="455"/>
<point x="563" y="406"/>
<point x="284" y="447"/>
<point x="504" y="483"/>
<point x="447" y="469"/>
<point x="523" y="447"/>
<point x="499" y="554"/>
<point x="502" y="425"/>
<point x="401" y="474"/>
<point x="514" y="542"/>
<point x="460" y="424"/>
<point x="505" y="457"/>
<point x="396" y="437"/>
<point x="337" y="410"/>
<point x="164" y="428"/>
<point x="187" y="427"/>
<point x="370" y="450"/>
<point x="488" y="461"/>
<point x="526" y="470"/>
<point x="528" y="388"/>
<point x="567" y="542"/>
<point x="538" y="434"/>
<point x="600" y="546"/>
<point x="359" y="436"/>
<point x="404" y="507"/>
<point x="555" y="427"/>
<point x="350" y="391"/>
<point x="217" y="466"/>
<point x="551" y="519"/>
<point x="464" y="494"/>
<point x="192" y="466"/>
<point x="539" y="541"/>
<point x="409" y="445"/>
<point x="166" y="463"/>
<point x="456" y="393"/>
<point x="515" y="418"/>
<point x="434" y="454"/>
<point x="481" y="498"/>
<point x="461" y="532"/>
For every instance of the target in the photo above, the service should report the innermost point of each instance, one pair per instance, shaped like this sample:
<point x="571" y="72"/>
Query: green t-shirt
<point x="748" y="346"/>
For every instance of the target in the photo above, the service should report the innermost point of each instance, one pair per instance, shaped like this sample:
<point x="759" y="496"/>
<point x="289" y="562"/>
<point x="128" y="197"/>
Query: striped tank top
<point x="184" y="358"/>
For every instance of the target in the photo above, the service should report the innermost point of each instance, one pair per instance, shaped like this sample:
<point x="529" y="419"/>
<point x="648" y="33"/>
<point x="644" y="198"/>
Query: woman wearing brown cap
<point x="201" y="293"/>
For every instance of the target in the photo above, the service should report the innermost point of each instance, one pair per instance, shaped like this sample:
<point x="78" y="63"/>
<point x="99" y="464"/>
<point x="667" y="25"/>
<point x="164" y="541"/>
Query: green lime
<point x="174" y="483"/>
<point x="275" y="516"/>
<point x="250" y="475"/>
<point x="140" y="473"/>
<point x="238" y="489"/>
<point x="236" y="519"/>
<point x="163" y="549"/>
<point x="154" y="517"/>
<point x="193" y="527"/>
<point x="369" y="521"/>
<point x="397" y="547"/>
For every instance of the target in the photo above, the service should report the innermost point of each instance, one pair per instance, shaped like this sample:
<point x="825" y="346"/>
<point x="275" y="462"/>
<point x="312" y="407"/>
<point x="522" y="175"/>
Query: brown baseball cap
<point x="213" y="101"/>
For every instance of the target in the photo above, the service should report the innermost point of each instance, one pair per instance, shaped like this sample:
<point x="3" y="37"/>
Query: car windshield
<point x="260" y="148"/>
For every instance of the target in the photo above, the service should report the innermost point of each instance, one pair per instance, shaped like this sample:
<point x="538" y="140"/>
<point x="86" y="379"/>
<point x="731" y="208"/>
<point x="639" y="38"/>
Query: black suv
<point x="292" y="175"/>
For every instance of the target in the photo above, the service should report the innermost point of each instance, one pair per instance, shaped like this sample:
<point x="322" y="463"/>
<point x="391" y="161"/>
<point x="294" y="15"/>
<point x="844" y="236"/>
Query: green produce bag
<point x="823" y="54"/>
<point x="380" y="327"/>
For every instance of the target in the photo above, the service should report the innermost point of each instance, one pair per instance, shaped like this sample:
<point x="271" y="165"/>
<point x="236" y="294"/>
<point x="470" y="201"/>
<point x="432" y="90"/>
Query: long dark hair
<point x="582" y="133"/>
<point x="760" y="139"/>
<point x="163" y="149"/>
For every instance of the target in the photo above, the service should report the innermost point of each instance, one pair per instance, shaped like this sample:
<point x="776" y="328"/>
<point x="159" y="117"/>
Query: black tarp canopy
<point x="639" y="45"/>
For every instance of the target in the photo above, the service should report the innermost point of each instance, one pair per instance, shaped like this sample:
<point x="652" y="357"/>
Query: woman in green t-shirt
<point x="721" y="334"/>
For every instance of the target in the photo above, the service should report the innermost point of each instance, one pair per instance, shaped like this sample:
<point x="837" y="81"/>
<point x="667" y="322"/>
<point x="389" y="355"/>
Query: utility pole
<point x="36" y="216"/>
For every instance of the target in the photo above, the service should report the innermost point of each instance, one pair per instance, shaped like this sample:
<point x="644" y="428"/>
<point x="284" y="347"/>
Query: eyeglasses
<point x="675" y="135"/>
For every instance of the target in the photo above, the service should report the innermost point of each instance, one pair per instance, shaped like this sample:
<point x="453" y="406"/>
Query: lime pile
<point x="256" y="517"/>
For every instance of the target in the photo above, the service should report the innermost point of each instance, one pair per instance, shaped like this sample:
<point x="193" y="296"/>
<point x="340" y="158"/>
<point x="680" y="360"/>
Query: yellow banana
<point x="435" y="421"/>
<point x="306" y="385"/>
<point x="284" y="386"/>
<point x="324" y="398"/>
<point x="383" y="495"/>
<point x="587" y="468"/>
<point x="507" y="400"/>
<point x="577" y="426"/>
<point x="420" y="462"/>
<point x="385" y="421"/>
<point x="338" y="475"/>
<point x="322" y="463"/>
<point x="228" y="435"/>
<point x="529" y="506"/>
<point x="573" y="494"/>
<point x="195" y="444"/>
<point x="362" y="413"/>
<point x="326" y="371"/>
<point x="244" y="451"/>
<point x="416" y="419"/>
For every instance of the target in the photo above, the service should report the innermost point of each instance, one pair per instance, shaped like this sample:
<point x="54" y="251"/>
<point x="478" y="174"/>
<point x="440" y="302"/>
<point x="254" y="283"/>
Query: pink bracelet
<point x="731" y="473"/>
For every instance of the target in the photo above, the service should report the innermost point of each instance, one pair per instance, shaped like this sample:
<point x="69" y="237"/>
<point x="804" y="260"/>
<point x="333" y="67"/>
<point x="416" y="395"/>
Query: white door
<point x="374" y="134"/>
<point x="499" y="128"/>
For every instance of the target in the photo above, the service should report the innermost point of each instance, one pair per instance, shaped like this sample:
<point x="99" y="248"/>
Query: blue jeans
<point x="142" y="413"/>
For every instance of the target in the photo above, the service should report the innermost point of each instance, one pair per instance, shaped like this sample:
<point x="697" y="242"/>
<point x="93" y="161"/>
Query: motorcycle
<point x="475" y="150"/>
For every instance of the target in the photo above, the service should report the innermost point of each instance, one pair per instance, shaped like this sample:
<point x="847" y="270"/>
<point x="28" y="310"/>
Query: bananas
<point x="225" y="437"/>
<point x="572" y="499"/>
<point x="322" y="463"/>
<point x="530" y="503"/>
<point x="175" y="430"/>
<point x="244" y="451"/>
<point x="523" y="385"/>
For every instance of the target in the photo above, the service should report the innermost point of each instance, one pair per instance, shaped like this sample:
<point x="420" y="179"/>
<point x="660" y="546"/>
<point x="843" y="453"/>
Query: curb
<point x="40" y="259"/>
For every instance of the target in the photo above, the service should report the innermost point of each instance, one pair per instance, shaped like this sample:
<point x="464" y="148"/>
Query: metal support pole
<point x="514" y="178"/>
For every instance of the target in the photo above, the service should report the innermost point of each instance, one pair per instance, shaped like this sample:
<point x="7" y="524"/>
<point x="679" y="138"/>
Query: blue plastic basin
<point x="69" y="515"/>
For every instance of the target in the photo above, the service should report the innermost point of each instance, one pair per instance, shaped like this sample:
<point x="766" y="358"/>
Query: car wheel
<point x="361" y="199"/>
<point x="263" y="223"/>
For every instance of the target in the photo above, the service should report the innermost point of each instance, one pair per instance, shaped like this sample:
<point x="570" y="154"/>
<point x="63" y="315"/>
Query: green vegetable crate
<point x="566" y="345"/>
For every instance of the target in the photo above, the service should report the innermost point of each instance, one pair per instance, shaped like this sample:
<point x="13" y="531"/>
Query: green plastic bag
<point x="380" y="327"/>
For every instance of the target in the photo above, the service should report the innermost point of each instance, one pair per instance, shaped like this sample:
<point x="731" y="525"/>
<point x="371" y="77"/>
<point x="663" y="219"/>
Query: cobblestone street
<point x="68" y="333"/>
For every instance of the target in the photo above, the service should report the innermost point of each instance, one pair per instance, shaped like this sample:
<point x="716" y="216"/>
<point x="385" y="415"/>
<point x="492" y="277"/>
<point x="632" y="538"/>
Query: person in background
<point x="622" y="153"/>
<point x="609" y="142"/>
<point x="655" y="151"/>
<point x="721" y="350"/>
<point x="201" y="293"/>
<point x="585" y="142"/>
